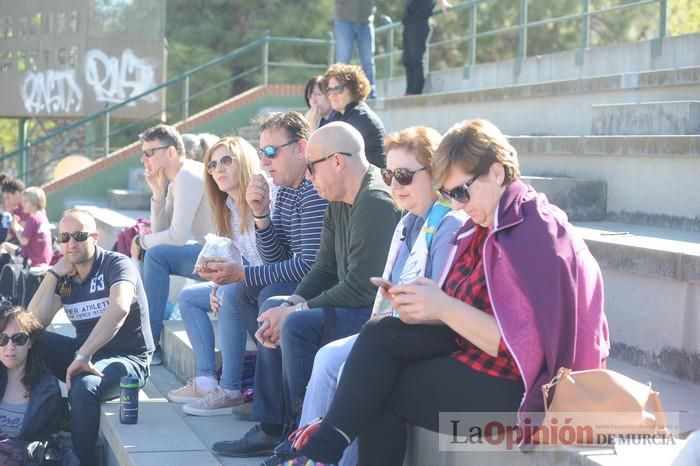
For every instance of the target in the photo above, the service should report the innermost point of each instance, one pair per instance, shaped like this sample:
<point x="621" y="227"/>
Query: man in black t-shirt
<point x="103" y="297"/>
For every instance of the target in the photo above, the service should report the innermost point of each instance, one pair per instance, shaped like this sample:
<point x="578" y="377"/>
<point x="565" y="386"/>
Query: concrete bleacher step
<point x="650" y="179"/>
<point x="177" y="349"/>
<point x="673" y="117"/>
<point x="111" y="222"/>
<point x="126" y="199"/>
<point x="677" y="395"/>
<point x="583" y="200"/>
<point x="652" y="293"/>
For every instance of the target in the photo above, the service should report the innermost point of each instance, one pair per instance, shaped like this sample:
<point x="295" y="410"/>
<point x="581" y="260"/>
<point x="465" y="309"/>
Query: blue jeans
<point x="160" y="262"/>
<point x="88" y="390"/>
<point x="346" y="33"/>
<point x="328" y="365"/>
<point x="194" y="306"/>
<point x="281" y="374"/>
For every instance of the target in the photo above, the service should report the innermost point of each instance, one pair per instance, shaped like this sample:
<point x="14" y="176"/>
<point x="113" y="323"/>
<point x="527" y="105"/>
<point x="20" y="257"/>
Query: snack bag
<point x="216" y="249"/>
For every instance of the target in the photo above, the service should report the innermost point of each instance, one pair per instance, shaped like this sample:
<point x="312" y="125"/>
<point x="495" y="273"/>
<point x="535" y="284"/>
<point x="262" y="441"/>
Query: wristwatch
<point x="81" y="357"/>
<point x="299" y="307"/>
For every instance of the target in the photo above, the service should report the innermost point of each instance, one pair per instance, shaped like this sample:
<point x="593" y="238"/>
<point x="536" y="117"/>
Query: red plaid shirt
<point x="467" y="282"/>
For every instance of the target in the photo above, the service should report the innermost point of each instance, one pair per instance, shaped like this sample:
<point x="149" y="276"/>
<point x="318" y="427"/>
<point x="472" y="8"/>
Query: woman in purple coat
<point x="523" y="297"/>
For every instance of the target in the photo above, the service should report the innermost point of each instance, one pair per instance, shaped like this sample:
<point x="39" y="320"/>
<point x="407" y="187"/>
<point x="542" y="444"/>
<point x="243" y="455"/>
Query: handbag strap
<point x="561" y="373"/>
<point x="659" y="413"/>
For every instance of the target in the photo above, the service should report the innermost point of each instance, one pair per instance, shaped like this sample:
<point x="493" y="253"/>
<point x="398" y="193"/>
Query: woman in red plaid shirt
<point x="523" y="297"/>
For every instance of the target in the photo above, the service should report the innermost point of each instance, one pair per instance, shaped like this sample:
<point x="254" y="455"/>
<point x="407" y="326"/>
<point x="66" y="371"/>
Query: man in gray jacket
<point x="180" y="217"/>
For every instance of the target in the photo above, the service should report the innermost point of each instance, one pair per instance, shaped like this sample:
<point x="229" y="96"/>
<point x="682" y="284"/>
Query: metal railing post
<point x="23" y="143"/>
<point x="186" y="99"/>
<point x="331" y="48"/>
<point x="390" y="46"/>
<point x="472" y="29"/>
<point x="586" y="39"/>
<point x="106" y="134"/>
<point x="265" y="56"/>
<point x="522" y="31"/>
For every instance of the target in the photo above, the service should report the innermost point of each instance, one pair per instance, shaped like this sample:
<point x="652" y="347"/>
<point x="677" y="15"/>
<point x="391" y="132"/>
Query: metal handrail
<point x="180" y="78"/>
<point x="521" y="28"/>
<point x="389" y="28"/>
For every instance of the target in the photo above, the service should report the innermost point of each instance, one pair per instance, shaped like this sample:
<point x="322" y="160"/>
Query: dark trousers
<point x="415" y="37"/>
<point x="88" y="390"/>
<point x="281" y="374"/>
<point x="399" y="374"/>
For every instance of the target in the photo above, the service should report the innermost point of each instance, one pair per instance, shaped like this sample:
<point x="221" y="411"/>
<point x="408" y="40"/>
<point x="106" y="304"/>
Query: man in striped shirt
<point x="287" y="236"/>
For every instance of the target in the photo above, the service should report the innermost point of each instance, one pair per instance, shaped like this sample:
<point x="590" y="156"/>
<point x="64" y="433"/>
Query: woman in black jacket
<point x="31" y="407"/>
<point x="347" y="89"/>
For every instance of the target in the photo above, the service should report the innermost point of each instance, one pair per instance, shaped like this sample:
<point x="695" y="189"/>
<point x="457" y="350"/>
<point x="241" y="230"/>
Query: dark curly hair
<point x="36" y="366"/>
<point x="350" y="76"/>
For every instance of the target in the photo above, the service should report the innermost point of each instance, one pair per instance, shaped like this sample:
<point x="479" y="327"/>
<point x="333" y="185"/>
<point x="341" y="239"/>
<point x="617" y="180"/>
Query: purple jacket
<point x="546" y="291"/>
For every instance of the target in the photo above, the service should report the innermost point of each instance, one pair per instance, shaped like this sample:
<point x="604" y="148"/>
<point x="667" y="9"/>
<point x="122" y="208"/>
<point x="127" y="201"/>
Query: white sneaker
<point x="189" y="392"/>
<point x="215" y="403"/>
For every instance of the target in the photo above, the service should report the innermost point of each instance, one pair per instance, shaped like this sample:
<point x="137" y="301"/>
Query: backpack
<point x="18" y="284"/>
<point x="126" y="236"/>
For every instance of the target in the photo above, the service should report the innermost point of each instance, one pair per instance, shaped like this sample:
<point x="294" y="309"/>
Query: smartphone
<point x="381" y="283"/>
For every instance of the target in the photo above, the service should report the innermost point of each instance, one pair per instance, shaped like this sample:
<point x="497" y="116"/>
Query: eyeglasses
<point x="224" y="161"/>
<point x="271" y="151"/>
<point x="403" y="176"/>
<point x="79" y="236"/>
<point x="460" y="193"/>
<point x="310" y="165"/>
<point x="337" y="90"/>
<point x="148" y="153"/>
<point x="19" y="339"/>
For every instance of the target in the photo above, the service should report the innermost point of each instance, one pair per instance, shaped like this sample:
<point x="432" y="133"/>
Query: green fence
<point x="289" y="60"/>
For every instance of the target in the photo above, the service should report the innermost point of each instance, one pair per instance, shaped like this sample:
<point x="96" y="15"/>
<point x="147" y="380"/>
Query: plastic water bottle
<point x="129" y="400"/>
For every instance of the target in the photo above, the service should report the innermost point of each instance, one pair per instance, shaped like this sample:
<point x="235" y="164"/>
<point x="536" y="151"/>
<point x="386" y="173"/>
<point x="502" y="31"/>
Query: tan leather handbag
<point x="599" y="404"/>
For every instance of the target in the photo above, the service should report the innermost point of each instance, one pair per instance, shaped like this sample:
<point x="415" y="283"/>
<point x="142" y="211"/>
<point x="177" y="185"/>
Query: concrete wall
<point x="676" y="52"/>
<point x="553" y="108"/>
<point x="647" y="176"/>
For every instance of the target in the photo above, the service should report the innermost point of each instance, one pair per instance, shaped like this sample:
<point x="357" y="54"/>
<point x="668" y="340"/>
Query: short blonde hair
<point x="473" y="146"/>
<point x="421" y="141"/>
<point x="36" y="196"/>
<point x="248" y="162"/>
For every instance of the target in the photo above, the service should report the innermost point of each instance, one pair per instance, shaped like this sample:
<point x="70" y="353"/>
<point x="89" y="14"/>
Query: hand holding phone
<point x="381" y="282"/>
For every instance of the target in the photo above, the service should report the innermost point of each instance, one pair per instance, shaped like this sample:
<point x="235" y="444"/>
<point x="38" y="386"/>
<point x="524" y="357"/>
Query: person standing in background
<point x="416" y="30"/>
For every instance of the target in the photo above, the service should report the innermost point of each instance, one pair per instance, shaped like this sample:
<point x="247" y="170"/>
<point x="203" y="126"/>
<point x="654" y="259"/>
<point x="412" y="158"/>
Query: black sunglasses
<point x="224" y="161"/>
<point x="148" y="153"/>
<point x="271" y="151"/>
<point x="79" y="236"/>
<point x="403" y="176"/>
<point x="460" y="193"/>
<point x="19" y="339"/>
<point x="337" y="90"/>
<point x="310" y="165"/>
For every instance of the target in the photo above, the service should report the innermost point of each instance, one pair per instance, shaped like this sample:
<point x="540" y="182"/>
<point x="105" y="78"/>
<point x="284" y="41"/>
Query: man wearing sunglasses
<point x="334" y="299"/>
<point x="103" y="297"/>
<point x="180" y="217"/>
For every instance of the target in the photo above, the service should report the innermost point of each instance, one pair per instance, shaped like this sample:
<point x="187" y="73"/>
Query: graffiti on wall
<point x="112" y="79"/>
<point x="51" y="91"/>
<point x="115" y="80"/>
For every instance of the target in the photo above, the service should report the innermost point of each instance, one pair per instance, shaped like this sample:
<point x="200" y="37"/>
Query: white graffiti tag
<point x="111" y="77"/>
<point x="51" y="91"/>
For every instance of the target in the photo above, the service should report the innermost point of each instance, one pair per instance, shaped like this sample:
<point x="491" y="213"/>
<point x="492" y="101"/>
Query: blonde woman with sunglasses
<point x="230" y="164"/>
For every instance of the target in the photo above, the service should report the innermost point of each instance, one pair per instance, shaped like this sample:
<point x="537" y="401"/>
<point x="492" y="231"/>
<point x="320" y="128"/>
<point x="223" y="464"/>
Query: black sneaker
<point x="255" y="442"/>
<point x="157" y="357"/>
